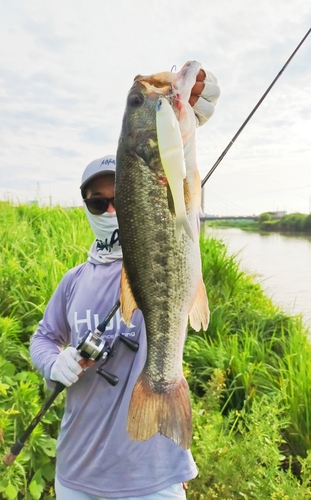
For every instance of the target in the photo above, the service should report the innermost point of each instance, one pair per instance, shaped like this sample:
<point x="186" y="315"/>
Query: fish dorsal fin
<point x="199" y="312"/>
<point x="128" y="303"/>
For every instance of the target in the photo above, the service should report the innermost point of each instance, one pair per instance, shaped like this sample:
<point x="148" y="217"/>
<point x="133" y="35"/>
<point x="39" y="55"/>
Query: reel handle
<point x="131" y="344"/>
<point x="111" y="379"/>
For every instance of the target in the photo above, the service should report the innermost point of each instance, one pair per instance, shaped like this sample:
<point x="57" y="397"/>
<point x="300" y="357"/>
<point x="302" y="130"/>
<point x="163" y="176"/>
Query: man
<point x="96" y="458"/>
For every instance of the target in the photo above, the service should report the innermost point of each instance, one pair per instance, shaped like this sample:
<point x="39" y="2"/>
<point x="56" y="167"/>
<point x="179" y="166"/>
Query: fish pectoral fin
<point x="199" y="312"/>
<point x="167" y="412"/>
<point x="128" y="303"/>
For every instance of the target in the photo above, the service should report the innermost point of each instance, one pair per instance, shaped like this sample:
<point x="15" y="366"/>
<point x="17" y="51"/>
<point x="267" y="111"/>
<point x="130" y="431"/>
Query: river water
<point x="281" y="263"/>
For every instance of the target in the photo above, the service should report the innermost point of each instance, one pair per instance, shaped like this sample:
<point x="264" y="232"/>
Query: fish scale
<point x="161" y="273"/>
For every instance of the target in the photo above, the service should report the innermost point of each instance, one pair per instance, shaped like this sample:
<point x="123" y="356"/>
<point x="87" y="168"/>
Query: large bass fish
<point x="157" y="198"/>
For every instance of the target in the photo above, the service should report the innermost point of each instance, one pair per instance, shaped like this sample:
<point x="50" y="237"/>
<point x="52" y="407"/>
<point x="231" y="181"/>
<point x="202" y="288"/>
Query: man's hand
<point x="197" y="88"/>
<point x="68" y="367"/>
<point x="204" y="96"/>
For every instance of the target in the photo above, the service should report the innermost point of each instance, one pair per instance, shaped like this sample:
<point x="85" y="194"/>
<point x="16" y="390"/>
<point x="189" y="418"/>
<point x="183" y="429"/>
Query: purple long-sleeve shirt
<point x="94" y="451"/>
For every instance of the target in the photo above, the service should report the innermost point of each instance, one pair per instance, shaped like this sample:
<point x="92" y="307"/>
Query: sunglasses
<point x="98" y="206"/>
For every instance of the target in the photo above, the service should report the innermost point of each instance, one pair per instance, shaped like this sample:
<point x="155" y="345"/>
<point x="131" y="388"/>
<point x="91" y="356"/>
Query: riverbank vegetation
<point x="295" y="223"/>
<point x="246" y="225"/>
<point x="249" y="373"/>
<point x="269" y="221"/>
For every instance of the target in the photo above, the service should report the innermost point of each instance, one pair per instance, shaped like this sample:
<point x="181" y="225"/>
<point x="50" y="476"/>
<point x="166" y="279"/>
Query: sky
<point x="66" y="67"/>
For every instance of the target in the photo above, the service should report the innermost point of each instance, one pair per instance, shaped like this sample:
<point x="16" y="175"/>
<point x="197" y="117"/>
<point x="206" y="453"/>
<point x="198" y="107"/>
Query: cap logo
<point x="108" y="161"/>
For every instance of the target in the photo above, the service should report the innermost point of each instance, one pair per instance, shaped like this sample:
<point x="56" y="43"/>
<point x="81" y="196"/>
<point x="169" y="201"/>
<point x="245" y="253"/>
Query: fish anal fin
<point x="199" y="312"/>
<point x="167" y="412"/>
<point x="128" y="303"/>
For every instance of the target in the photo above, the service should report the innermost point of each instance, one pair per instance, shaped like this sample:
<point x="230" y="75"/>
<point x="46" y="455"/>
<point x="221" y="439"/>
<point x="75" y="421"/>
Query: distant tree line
<point x="295" y="222"/>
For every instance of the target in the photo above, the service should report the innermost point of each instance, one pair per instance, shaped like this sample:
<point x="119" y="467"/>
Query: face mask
<point x="107" y="246"/>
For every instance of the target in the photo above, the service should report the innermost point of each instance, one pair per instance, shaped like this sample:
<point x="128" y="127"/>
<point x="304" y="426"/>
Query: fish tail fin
<point x="166" y="412"/>
<point x="199" y="312"/>
<point x="182" y="222"/>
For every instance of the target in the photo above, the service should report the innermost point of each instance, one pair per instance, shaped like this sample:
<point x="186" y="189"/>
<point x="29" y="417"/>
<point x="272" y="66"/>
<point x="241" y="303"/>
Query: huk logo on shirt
<point x="91" y="321"/>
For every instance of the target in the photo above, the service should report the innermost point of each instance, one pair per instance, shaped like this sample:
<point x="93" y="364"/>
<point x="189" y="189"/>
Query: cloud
<point x="63" y="153"/>
<point x="45" y="36"/>
<point x="67" y="68"/>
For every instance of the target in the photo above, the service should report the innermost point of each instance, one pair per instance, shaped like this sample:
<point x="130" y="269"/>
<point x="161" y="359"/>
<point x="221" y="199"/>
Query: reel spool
<point x="93" y="346"/>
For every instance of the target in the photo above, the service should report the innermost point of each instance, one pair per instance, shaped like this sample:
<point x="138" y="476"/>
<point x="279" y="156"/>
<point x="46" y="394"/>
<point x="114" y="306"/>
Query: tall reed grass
<point x="249" y="373"/>
<point x="38" y="245"/>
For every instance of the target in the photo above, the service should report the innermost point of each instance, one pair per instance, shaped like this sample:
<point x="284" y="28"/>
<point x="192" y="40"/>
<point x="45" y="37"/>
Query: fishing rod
<point x="91" y="347"/>
<point x="252" y="112"/>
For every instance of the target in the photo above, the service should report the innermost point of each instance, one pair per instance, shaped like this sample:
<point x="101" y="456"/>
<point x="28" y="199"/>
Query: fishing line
<point x="252" y="112"/>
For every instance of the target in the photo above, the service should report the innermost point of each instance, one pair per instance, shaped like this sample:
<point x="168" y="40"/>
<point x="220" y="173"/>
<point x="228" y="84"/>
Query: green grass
<point x="249" y="373"/>
<point x="38" y="245"/>
<point x="240" y="456"/>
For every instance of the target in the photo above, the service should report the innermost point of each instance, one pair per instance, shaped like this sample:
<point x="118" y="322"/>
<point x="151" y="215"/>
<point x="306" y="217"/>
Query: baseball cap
<point x="100" y="166"/>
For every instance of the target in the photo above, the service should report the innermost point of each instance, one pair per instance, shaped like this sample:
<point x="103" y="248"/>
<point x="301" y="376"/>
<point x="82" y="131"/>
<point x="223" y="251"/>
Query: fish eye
<point x="136" y="100"/>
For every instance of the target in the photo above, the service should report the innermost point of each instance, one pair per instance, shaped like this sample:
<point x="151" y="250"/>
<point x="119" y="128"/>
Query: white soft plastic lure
<point x="172" y="157"/>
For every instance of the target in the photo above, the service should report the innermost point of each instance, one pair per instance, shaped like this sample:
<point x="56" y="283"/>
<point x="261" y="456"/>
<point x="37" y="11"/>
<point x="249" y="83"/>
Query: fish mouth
<point x="143" y="88"/>
<point x="166" y="83"/>
<point x="159" y="84"/>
